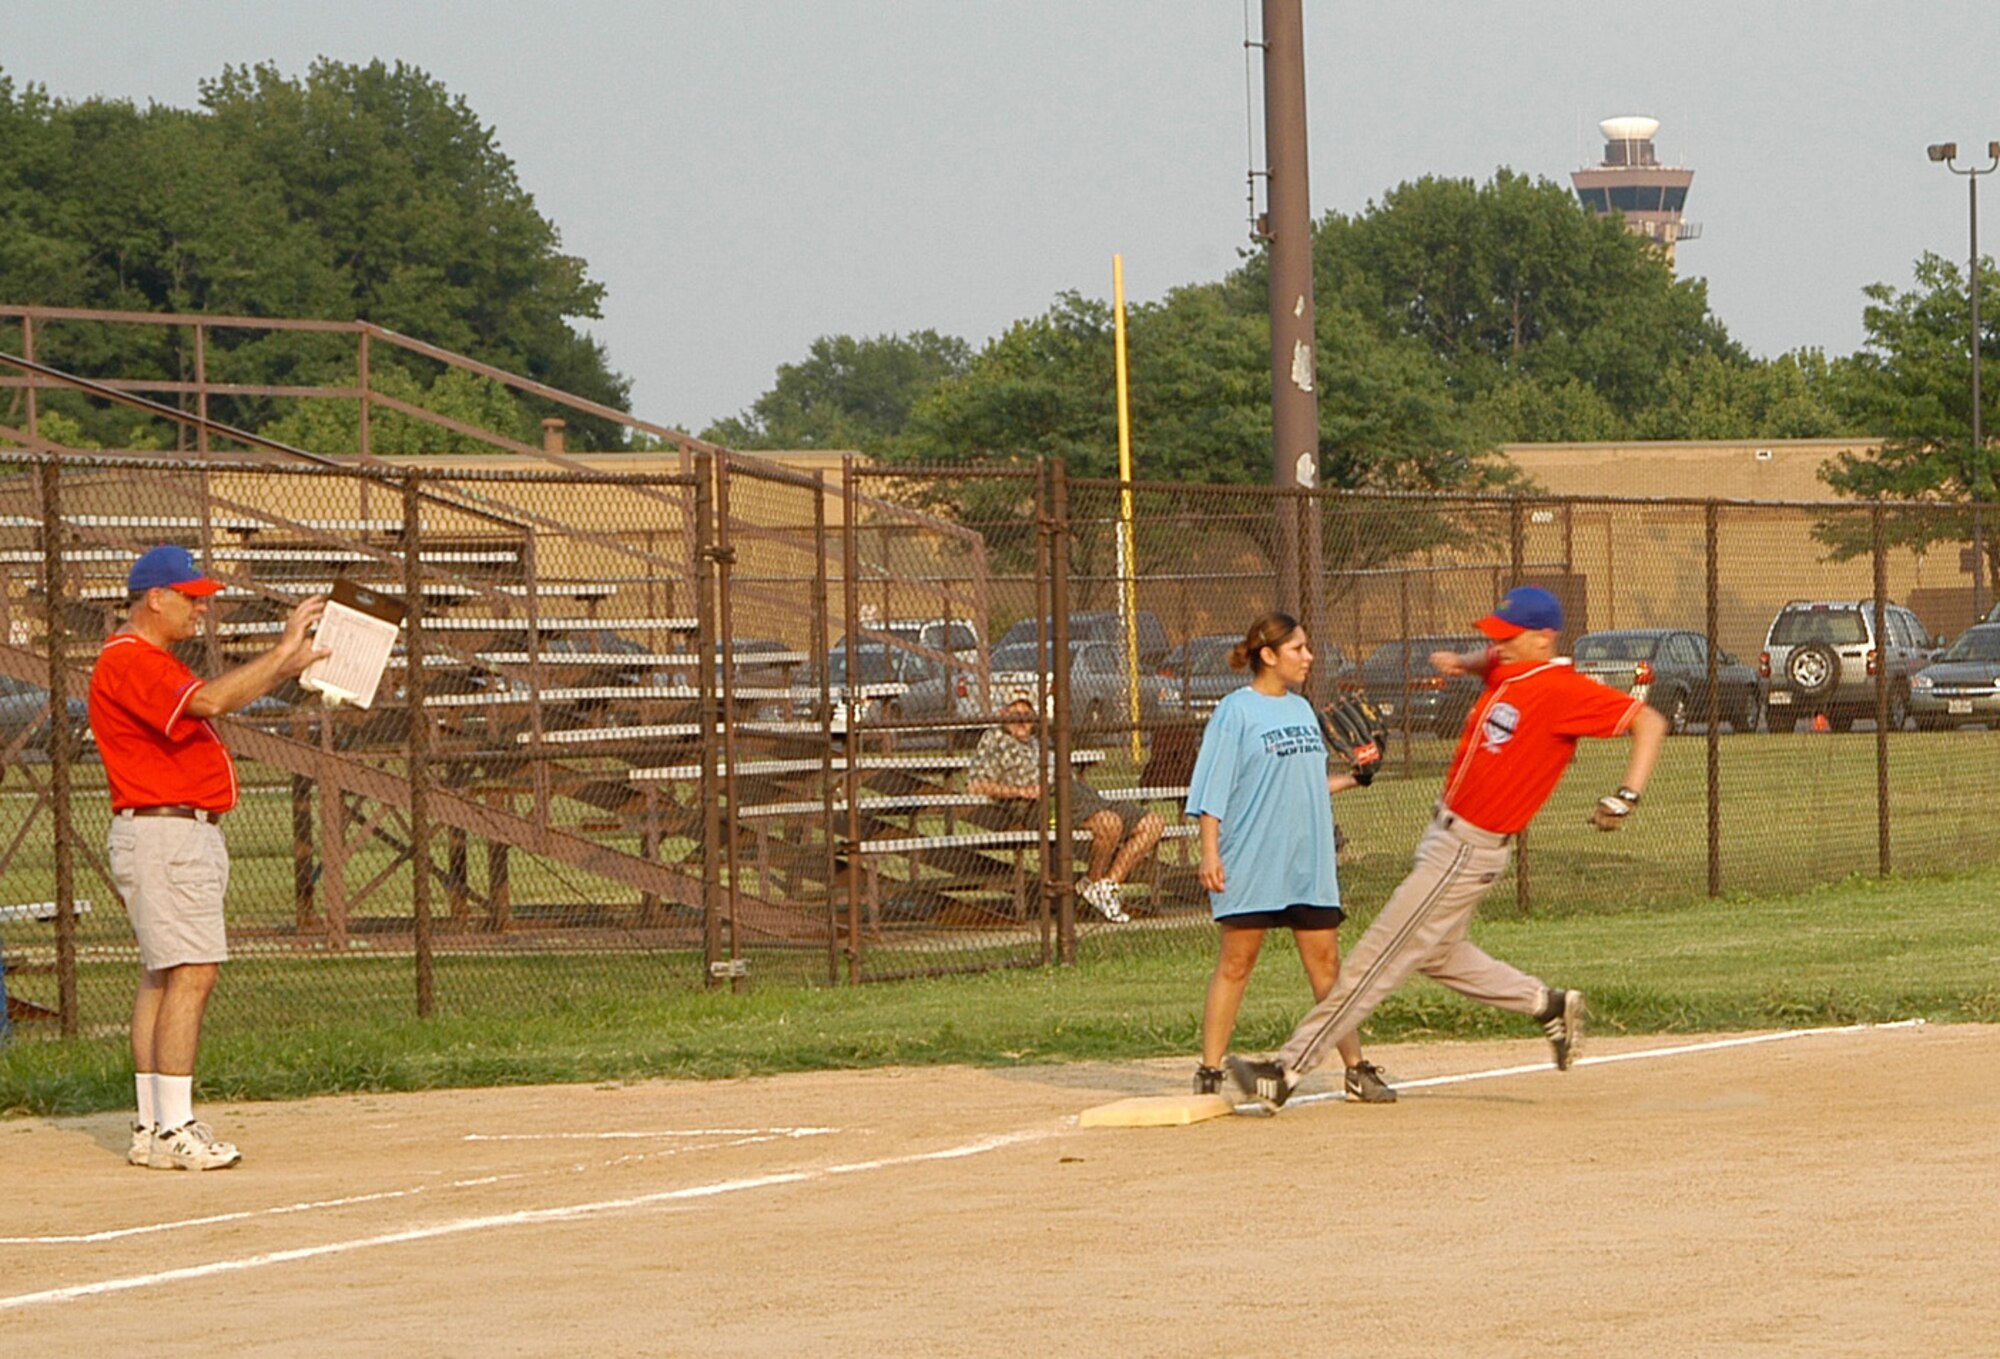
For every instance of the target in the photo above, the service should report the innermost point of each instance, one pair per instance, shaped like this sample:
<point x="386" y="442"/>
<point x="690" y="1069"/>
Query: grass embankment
<point x="1854" y="951"/>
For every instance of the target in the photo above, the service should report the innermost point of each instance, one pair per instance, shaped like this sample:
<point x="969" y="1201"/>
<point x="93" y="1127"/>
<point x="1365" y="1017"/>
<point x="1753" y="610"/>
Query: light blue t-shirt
<point x="1262" y="774"/>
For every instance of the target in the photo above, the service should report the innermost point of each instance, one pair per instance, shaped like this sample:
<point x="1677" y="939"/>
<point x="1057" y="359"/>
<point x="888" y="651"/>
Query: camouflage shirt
<point x="1002" y="759"/>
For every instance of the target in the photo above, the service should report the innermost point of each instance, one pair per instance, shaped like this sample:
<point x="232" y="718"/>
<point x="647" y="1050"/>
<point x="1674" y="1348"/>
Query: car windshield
<point x="1841" y="627"/>
<point x="1389" y="656"/>
<point x="1616" y="646"/>
<point x="874" y="665"/>
<point x="1021" y="656"/>
<point x="1978" y="644"/>
<point x="1209" y="655"/>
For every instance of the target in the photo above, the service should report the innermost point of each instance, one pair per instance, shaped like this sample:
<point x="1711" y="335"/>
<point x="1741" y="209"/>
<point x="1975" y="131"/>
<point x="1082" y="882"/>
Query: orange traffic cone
<point x="1820" y="723"/>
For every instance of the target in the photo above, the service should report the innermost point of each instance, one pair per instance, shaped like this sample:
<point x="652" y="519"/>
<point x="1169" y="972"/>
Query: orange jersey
<point x="1522" y="734"/>
<point x="154" y="753"/>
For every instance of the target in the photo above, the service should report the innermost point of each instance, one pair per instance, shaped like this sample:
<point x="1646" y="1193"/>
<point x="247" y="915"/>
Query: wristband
<point x="1628" y="795"/>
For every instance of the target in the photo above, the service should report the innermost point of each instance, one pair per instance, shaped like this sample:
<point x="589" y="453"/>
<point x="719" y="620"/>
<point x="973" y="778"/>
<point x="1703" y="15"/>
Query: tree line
<point x="1453" y="316"/>
<point x="354" y="192"/>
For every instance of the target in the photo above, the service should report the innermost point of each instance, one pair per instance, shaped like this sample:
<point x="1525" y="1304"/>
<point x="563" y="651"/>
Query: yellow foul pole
<point x="1126" y="542"/>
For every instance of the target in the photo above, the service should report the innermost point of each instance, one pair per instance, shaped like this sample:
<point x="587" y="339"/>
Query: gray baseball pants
<point x="1422" y="929"/>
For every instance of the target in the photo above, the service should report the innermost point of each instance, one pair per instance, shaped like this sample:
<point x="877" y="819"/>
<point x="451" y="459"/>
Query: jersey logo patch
<point x="1498" y="726"/>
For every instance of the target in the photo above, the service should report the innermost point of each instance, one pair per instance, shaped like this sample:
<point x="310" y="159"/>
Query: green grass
<point x="1862" y="949"/>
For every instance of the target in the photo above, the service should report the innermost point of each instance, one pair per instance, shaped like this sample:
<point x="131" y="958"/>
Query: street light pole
<point x="1946" y="154"/>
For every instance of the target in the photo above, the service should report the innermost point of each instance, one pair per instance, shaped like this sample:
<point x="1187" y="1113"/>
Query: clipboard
<point x="360" y="624"/>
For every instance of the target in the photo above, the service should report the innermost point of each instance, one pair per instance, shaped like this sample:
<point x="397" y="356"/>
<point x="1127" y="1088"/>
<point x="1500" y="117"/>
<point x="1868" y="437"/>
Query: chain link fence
<point x="714" y="728"/>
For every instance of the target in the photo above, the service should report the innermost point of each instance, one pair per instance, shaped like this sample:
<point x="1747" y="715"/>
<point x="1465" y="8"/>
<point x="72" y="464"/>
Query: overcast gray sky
<point x="744" y="176"/>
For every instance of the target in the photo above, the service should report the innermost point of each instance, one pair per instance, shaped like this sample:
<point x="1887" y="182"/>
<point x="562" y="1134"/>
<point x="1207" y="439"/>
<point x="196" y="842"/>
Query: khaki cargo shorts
<point x="172" y="874"/>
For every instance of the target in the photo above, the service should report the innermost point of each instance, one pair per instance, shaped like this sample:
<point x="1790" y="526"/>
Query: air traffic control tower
<point x="1632" y="181"/>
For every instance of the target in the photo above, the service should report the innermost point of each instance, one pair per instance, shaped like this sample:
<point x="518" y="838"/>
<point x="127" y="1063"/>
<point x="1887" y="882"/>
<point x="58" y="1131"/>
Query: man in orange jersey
<point x="172" y="781"/>
<point x="1518" y="739"/>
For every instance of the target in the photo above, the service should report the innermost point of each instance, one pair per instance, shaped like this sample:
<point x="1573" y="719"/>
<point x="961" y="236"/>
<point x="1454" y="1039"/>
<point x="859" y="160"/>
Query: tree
<point x="1705" y="396"/>
<point x="335" y="426"/>
<point x="358" y="192"/>
<point x="1516" y="277"/>
<point x="424" y="218"/>
<point x="847" y="393"/>
<point x="1911" y="384"/>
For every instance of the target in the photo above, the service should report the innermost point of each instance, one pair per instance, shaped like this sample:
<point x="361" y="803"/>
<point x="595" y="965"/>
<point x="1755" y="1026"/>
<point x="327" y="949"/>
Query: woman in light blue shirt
<point x="1263" y="795"/>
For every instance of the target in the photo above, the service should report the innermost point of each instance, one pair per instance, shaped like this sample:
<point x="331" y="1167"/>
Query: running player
<point x="1518" y="739"/>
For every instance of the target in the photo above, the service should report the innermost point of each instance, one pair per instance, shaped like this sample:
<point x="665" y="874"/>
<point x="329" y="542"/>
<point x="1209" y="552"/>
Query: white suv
<point x="1821" y="657"/>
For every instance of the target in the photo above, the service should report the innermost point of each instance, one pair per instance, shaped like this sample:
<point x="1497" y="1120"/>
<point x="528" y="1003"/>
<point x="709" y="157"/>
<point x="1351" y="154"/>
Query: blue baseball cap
<point x="1527" y="608"/>
<point x="170" y="568"/>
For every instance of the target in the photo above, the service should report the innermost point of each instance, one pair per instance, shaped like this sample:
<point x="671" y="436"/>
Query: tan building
<point x="1646" y="565"/>
<point x="1726" y="469"/>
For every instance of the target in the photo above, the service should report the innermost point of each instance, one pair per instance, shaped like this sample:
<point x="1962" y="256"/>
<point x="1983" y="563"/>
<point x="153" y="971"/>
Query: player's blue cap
<point x="1527" y="608"/>
<point x="171" y="568"/>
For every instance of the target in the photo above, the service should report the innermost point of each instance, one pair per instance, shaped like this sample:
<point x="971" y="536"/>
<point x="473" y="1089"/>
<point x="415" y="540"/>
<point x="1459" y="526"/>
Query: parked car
<point x="24" y="716"/>
<point x="1962" y="685"/>
<point x="1410" y="694"/>
<point x="1821" y="656"/>
<point x="748" y="669"/>
<point x="875" y="664"/>
<point x="1102" y="626"/>
<point x="955" y="637"/>
<point x="1196" y="676"/>
<point x="1668" y="667"/>
<point x="613" y="647"/>
<point x="1098" y="692"/>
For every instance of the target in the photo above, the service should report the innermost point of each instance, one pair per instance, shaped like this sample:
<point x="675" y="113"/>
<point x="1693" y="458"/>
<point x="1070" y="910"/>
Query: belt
<point x="180" y="810"/>
<point x="1478" y="834"/>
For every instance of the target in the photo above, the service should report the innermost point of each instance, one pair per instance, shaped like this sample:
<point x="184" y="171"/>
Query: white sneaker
<point x="1103" y="894"/>
<point x="141" y="1153"/>
<point x="192" y="1146"/>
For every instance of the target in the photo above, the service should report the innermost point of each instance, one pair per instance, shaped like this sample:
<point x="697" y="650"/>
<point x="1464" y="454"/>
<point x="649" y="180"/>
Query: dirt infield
<point x="1825" y="1193"/>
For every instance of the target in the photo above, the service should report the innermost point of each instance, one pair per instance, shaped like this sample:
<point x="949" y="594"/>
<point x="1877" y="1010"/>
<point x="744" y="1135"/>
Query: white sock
<point x="173" y="1100"/>
<point x="143" y="1082"/>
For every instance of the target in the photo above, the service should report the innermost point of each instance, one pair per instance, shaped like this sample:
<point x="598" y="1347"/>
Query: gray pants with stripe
<point x="1422" y="929"/>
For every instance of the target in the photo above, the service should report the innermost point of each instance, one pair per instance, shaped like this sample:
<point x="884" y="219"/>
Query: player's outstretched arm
<point x="1649" y="731"/>
<point x="1454" y="663"/>
<point x="290" y="655"/>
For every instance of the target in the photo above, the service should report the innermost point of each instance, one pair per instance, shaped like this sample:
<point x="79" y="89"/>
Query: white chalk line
<point x="739" y="1137"/>
<point x="523" y="1217"/>
<point x="1637" y="1055"/>
<point x="665" y="1197"/>
<point x="648" y="1134"/>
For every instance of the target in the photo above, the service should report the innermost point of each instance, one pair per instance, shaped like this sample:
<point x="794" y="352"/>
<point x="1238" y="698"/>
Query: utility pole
<point x="1294" y="394"/>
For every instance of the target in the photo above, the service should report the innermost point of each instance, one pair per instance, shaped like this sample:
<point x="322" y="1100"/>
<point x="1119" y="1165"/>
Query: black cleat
<point x="1261" y="1080"/>
<point x="1366" y="1084"/>
<point x="1208" y="1080"/>
<point x="1564" y="1026"/>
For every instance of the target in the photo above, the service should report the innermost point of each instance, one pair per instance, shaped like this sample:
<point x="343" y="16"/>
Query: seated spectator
<point x="1008" y="768"/>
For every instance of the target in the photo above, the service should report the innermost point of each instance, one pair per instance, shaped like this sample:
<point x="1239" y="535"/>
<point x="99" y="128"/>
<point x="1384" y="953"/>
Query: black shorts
<point x="1296" y="917"/>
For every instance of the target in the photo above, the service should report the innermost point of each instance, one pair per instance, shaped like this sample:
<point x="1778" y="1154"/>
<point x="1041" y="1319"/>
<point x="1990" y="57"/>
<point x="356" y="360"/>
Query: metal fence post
<point x="418" y="737"/>
<point x="1517" y="557"/>
<point x="1711" y="518"/>
<point x="706" y="656"/>
<point x="1057" y="854"/>
<point x="850" y="603"/>
<point x="724" y="554"/>
<point x="61" y="750"/>
<point x="820" y="645"/>
<point x="1881" y="690"/>
<point x="1517" y="542"/>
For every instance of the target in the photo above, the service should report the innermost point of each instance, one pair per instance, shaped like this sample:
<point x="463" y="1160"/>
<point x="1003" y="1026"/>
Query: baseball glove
<point x="1610" y="812"/>
<point x="1354" y="731"/>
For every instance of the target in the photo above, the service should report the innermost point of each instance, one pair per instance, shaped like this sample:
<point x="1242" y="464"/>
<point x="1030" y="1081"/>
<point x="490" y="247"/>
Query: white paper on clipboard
<point x="359" y="625"/>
